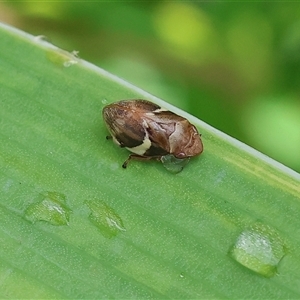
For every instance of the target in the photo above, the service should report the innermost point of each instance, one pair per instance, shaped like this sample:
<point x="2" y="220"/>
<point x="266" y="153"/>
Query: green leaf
<point x="143" y="232"/>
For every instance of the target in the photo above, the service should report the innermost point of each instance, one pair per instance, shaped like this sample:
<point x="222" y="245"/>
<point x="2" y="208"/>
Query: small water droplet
<point x="50" y="208"/>
<point x="75" y="53"/>
<point x="69" y="63"/>
<point x="62" y="58"/>
<point x="260" y="249"/>
<point x="181" y="275"/>
<point x="173" y="164"/>
<point x="104" y="101"/>
<point x="41" y="38"/>
<point x="105" y="218"/>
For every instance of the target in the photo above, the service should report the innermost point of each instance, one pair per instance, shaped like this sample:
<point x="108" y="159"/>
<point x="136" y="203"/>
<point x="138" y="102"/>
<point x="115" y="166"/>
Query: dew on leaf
<point x="105" y="218"/>
<point x="173" y="164"/>
<point x="260" y="249"/>
<point x="41" y="38"/>
<point x="50" y="208"/>
<point x="104" y="101"/>
<point x="62" y="58"/>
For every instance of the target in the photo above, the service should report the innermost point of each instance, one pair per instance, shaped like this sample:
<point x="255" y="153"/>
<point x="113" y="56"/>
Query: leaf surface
<point x="139" y="233"/>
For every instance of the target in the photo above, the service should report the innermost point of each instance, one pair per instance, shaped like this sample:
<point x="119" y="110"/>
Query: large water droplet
<point x="173" y="164"/>
<point x="50" y="208"/>
<point x="260" y="249"/>
<point x="105" y="218"/>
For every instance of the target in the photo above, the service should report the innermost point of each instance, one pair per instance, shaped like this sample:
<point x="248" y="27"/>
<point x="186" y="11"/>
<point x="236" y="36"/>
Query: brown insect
<point x="149" y="131"/>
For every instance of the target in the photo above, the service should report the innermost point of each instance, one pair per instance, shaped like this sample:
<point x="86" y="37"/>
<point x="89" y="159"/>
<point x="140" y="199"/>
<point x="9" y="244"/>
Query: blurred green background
<point x="234" y="65"/>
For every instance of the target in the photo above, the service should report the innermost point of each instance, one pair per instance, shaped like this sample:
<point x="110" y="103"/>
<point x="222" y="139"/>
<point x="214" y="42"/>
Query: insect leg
<point x="135" y="156"/>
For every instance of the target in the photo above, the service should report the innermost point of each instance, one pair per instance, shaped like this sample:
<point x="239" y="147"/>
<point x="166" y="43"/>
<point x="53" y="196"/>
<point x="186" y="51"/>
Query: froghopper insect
<point x="149" y="131"/>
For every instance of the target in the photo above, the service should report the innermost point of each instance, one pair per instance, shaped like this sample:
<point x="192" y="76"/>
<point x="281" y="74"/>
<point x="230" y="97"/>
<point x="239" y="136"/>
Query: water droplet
<point x="62" y="58"/>
<point x="69" y="63"/>
<point x="41" y="38"/>
<point x="75" y="53"/>
<point x="104" y="101"/>
<point x="173" y="164"/>
<point x="105" y="218"/>
<point x="181" y="275"/>
<point x="51" y="208"/>
<point x="260" y="249"/>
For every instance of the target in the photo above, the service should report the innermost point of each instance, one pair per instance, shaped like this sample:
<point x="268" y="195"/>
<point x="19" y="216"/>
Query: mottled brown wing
<point x="124" y="124"/>
<point x="160" y="125"/>
<point x="137" y="105"/>
<point x="186" y="141"/>
<point x="174" y="134"/>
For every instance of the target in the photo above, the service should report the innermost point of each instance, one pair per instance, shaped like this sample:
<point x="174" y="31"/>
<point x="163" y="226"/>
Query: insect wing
<point x="124" y="124"/>
<point x="185" y="141"/>
<point x="159" y="127"/>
